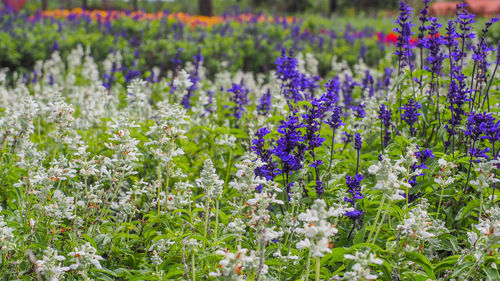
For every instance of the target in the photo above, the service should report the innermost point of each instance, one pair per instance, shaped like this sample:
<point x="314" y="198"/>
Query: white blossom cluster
<point x="361" y="270"/>
<point x="236" y="266"/>
<point x="389" y="180"/>
<point x="209" y="181"/>
<point x="419" y="227"/>
<point x="316" y="229"/>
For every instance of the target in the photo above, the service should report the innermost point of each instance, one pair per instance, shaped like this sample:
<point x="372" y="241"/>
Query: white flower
<point x="419" y="227"/>
<point x="209" y="181"/>
<point x="226" y="141"/>
<point x="388" y="178"/>
<point x="6" y="237"/>
<point x="317" y="229"/>
<point x="182" y="81"/>
<point x="86" y="256"/>
<point x="246" y="182"/>
<point x="62" y="206"/>
<point x="361" y="269"/>
<point x="237" y="266"/>
<point x="485" y="176"/>
<point x="444" y="177"/>
<point x="50" y="265"/>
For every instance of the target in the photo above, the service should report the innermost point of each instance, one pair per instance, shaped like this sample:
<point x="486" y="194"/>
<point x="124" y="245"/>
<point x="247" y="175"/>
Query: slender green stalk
<point x="376" y="218"/>
<point x="481" y="203"/>
<point x="440" y="201"/>
<point x="166" y="186"/>
<point x="207" y="216"/>
<point x="193" y="268"/>
<point x="159" y="187"/>
<point x="407" y="195"/>
<point x="382" y="221"/>
<point x="308" y="265"/>
<point x="318" y="267"/>
<point x="228" y="167"/>
<point x="216" y="219"/>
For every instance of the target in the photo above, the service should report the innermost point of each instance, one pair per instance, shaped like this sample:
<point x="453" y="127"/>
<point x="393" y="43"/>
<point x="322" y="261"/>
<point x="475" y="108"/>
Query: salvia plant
<point x="312" y="168"/>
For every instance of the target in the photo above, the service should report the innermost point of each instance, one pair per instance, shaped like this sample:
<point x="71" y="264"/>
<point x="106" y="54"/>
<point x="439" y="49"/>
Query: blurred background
<point x="217" y="7"/>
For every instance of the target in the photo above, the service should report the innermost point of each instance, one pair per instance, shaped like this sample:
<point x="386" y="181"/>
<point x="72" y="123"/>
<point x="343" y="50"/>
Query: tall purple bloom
<point x="403" y="44"/>
<point x="264" y="103"/>
<point x="357" y="146"/>
<point x="410" y="114"/>
<point x="384" y="114"/>
<point x="290" y="147"/>
<point x="354" y="194"/>
<point x="312" y="121"/>
<point x="478" y="126"/>
<point x="286" y="71"/>
<point x="335" y="121"/>
<point x="194" y="77"/>
<point x="240" y="100"/>
<point x="423" y="18"/>
<point x="435" y="56"/>
<point x="268" y="170"/>
<point x="464" y="21"/>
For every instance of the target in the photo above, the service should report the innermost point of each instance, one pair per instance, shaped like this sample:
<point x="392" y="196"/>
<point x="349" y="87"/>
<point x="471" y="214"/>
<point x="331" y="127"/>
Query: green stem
<point x="207" y="216"/>
<point x="481" y="203"/>
<point x="308" y="265"/>
<point x="376" y="218"/>
<point x="382" y="221"/>
<point x="440" y="201"/>
<point x="193" y="268"/>
<point x="228" y="167"/>
<point x="166" y="186"/>
<point x="318" y="267"/>
<point x="407" y="198"/>
<point x="159" y="188"/>
<point x="216" y="219"/>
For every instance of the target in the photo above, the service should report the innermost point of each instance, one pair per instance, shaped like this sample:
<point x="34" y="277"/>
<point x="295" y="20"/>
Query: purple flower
<point x="239" y="98"/>
<point x="320" y="188"/>
<point x="479" y="124"/>
<point x="312" y="119"/>
<point x="367" y="83"/>
<point x="357" y="141"/>
<point x="290" y="147"/>
<point x="433" y="42"/>
<point x="268" y="170"/>
<point x="359" y="111"/>
<point x="265" y="103"/>
<point x="286" y="66"/>
<point x="335" y="120"/>
<point x="422" y="155"/>
<point x="457" y="96"/>
<point x="404" y="29"/>
<point x="410" y="114"/>
<point x="354" y="194"/>
<point x="186" y="99"/>
<point x="465" y="21"/>
<point x="384" y="114"/>
<point x="354" y="188"/>
<point x="424" y="18"/>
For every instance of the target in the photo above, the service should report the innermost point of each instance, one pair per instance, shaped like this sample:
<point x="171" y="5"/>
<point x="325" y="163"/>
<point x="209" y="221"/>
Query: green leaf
<point x="450" y="242"/>
<point x="275" y="118"/>
<point x="147" y="277"/>
<point x="303" y="103"/>
<point x="492" y="274"/>
<point x="423" y="262"/>
<point x="467" y="209"/>
<point x="90" y="240"/>
<point x="448" y="263"/>
<point x="337" y="255"/>
<point x="360" y="236"/>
